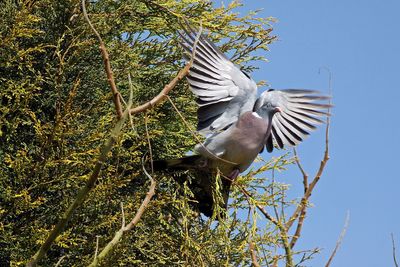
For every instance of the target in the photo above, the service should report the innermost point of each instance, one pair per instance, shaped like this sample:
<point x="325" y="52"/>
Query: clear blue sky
<point x="360" y="42"/>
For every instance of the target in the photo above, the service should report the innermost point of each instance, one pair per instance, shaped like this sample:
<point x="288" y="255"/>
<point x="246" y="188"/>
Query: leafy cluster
<point x="56" y="111"/>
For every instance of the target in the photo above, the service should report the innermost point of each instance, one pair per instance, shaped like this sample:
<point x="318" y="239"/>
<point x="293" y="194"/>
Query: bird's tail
<point x="180" y="164"/>
<point x="200" y="179"/>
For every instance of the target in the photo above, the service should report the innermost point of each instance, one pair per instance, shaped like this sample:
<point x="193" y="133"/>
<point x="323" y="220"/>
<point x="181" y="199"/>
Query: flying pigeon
<point x="237" y="124"/>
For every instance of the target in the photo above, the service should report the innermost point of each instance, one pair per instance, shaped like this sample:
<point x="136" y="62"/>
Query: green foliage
<point x="56" y="110"/>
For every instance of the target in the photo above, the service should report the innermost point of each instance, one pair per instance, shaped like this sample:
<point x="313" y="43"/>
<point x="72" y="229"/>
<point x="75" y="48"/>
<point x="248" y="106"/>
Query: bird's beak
<point x="278" y="109"/>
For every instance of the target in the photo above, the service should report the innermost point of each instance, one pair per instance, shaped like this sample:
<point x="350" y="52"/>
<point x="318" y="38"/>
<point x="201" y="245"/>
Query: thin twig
<point x="161" y="96"/>
<point x="304" y="209"/>
<point x="275" y="261"/>
<point x="259" y="207"/>
<point x="164" y="92"/>
<point x="149" y="143"/>
<point x="59" y="261"/>
<point x="196" y="41"/>
<point x="325" y="159"/>
<point x="253" y="254"/>
<point x="300" y="166"/>
<point x="107" y="65"/>
<point x="97" y="247"/>
<point x="394" y="251"/>
<point x="299" y="226"/>
<point x="339" y="241"/>
<point x="123" y="215"/>
<point x="145" y="202"/>
<point x="131" y="97"/>
<point x="280" y="226"/>
<point x="273" y="193"/>
<point x="118" y="235"/>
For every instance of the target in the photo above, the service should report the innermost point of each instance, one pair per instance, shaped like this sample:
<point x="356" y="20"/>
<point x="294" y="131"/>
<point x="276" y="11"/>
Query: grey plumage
<point x="236" y="123"/>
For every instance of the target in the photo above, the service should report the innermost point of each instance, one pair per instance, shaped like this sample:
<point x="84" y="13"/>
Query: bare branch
<point x="145" y="202"/>
<point x="253" y="255"/>
<point x="304" y="209"/>
<point x="307" y="194"/>
<point x="97" y="246"/>
<point x="274" y="206"/>
<point x="119" y="234"/>
<point x="107" y="65"/>
<point x="123" y="216"/>
<point x="323" y="163"/>
<point x="339" y="241"/>
<point x="259" y="207"/>
<point x="279" y="225"/>
<point x="300" y="166"/>
<point x="299" y="227"/>
<point x="394" y="251"/>
<point x="196" y="40"/>
<point x="59" y="261"/>
<point x="161" y="96"/>
<point x="148" y="142"/>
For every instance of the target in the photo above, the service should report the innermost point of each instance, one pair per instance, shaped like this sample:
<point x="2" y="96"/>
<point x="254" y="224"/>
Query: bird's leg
<point x="234" y="174"/>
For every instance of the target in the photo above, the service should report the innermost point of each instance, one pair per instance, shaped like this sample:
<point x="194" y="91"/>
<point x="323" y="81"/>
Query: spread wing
<point x="222" y="90"/>
<point x="301" y="111"/>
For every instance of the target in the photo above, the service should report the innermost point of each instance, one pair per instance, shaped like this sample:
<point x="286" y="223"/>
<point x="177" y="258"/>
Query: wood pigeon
<point x="237" y="124"/>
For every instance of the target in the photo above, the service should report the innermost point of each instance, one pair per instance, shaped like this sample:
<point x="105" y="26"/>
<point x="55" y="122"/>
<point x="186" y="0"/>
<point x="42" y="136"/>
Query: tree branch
<point x="161" y="96"/>
<point x="304" y="209"/>
<point x="182" y="73"/>
<point x="119" y="234"/>
<point x="83" y="192"/>
<point x="282" y="229"/>
<point x="339" y="241"/>
<point x="394" y="251"/>
<point x="303" y="203"/>
<point x="253" y="254"/>
<point x="107" y="65"/>
<point x="307" y="194"/>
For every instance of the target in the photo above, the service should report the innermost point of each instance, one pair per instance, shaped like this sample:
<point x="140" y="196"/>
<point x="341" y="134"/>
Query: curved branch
<point x="339" y="241"/>
<point x="107" y="65"/>
<point x="119" y="234"/>
<point x="162" y="95"/>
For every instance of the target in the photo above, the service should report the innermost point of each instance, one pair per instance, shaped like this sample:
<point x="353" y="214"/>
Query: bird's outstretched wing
<point x="301" y="111"/>
<point x="223" y="91"/>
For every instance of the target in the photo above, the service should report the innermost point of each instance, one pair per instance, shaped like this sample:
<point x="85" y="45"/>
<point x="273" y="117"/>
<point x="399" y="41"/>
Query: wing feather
<point x="301" y="111"/>
<point x="223" y="92"/>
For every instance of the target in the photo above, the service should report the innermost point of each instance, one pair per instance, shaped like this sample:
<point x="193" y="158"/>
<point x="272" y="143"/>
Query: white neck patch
<point x="255" y="114"/>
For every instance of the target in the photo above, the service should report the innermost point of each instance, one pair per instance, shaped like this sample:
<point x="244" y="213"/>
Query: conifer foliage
<point x="57" y="113"/>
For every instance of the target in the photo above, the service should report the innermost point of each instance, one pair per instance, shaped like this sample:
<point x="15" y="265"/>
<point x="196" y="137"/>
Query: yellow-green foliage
<point x="56" y="110"/>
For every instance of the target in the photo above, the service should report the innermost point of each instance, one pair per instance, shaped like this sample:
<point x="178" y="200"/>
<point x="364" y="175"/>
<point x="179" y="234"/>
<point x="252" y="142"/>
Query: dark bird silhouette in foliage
<point x="237" y="124"/>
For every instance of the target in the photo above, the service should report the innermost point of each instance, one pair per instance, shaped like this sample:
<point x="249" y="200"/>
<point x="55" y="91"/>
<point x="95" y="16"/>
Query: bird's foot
<point x="234" y="174"/>
<point x="203" y="163"/>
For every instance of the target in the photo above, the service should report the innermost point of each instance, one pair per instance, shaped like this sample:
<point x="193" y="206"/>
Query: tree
<point x="57" y="116"/>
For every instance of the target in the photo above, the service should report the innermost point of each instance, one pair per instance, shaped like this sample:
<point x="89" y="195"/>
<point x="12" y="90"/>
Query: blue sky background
<point x="359" y="41"/>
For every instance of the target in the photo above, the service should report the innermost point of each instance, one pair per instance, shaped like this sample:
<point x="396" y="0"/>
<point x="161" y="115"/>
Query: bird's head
<point x="266" y="106"/>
